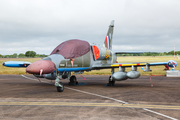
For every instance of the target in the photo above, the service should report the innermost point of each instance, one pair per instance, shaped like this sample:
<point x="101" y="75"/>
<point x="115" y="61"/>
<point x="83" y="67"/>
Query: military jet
<point x="79" y="56"/>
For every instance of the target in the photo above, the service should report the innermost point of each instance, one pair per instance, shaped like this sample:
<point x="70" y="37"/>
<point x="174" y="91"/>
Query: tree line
<point x="33" y="54"/>
<point x="30" y="54"/>
<point x="152" y="54"/>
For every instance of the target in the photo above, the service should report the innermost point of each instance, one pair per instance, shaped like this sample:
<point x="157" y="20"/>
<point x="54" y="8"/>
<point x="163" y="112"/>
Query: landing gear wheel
<point x="60" y="89"/>
<point x="73" y="80"/>
<point x="111" y="82"/>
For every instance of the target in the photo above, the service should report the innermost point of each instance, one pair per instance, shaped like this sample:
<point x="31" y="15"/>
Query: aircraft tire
<point x="60" y="89"/>
<point x="111" y="83"/>
<point x="73" y="80"/>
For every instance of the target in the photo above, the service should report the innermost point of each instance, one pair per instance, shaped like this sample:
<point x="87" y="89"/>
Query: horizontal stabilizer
<point x="129" y="52"/>
<point x="16" y="64"/>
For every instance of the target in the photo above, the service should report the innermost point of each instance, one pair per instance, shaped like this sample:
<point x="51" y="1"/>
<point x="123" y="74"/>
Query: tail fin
<point x="108" y="39"/>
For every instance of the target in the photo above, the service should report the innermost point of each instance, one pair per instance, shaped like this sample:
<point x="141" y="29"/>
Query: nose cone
<point x="41" y="67"/>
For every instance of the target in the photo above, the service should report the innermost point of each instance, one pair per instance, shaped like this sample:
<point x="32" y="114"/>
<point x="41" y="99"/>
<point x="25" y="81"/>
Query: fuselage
<point x="81" y="63"/>
<point x="96" y="56"/>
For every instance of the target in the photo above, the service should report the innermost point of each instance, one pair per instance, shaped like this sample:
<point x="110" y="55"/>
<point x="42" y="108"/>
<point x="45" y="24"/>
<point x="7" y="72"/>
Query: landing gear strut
<point x="111" y="81"/>
<point x="58" y="84"/>
<point x="73" y="80"/>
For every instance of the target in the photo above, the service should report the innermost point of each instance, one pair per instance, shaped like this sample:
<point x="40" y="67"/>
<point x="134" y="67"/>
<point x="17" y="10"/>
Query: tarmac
<point x="23" y="97"/>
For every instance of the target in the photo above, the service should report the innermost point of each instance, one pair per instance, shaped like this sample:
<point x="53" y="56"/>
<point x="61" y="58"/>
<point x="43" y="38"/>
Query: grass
<point x="156" y="70"/>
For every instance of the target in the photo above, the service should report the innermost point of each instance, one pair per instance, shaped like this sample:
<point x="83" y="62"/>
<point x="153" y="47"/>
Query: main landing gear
<point x="111" y="81"/>
<point x="73" y="80"/>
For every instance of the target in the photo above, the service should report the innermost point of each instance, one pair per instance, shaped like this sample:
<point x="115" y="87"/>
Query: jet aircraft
<point x="79" y="56"/>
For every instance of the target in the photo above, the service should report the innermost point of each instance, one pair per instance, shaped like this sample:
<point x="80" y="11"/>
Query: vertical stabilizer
<point x="109" y="36"/>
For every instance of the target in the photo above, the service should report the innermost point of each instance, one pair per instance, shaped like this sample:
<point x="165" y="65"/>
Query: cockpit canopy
<point x="72" y="48"/>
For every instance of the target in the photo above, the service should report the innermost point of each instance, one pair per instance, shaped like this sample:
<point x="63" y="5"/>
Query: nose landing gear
<point x="58" y="84"/>
<point x="60" y="89"/>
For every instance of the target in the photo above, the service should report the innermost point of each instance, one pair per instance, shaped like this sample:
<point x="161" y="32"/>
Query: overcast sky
<point x="41" y="25"/>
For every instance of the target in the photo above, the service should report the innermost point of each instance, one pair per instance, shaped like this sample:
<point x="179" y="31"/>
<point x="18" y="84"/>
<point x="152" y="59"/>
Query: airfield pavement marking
<point x="122" y="102"/>
<point x="106" y="98"/>
<point x="91" y="105"/>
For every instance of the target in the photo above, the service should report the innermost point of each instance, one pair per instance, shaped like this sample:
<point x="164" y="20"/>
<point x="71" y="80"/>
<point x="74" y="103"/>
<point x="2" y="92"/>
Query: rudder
<point x="109" y="36"/>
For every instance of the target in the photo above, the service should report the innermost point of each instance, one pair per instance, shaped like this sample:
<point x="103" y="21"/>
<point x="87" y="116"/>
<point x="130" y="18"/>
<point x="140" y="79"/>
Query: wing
<point x="170" y="63"/>
<point x="16" y="64"/>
